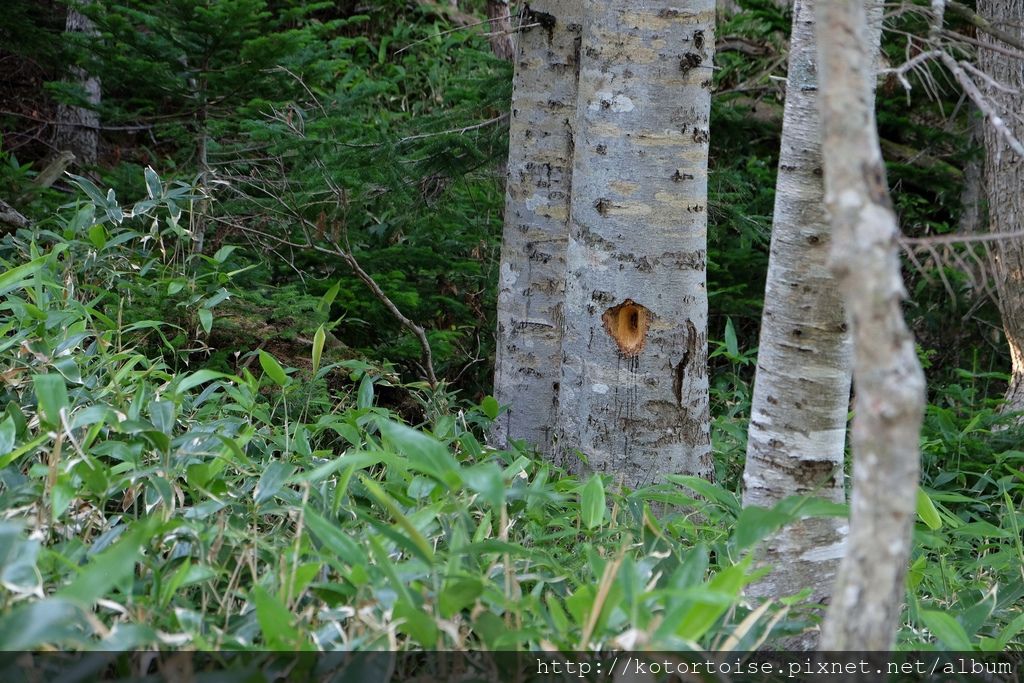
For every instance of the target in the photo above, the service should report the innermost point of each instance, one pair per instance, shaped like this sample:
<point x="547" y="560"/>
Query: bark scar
<point x="627" y="325"/>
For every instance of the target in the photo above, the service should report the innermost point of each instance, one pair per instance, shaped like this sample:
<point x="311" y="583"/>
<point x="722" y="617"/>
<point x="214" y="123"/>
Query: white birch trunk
<point x="797" y="436"/>
<point x="78" y="127"/>
<point x="867" y="599"/>
<point x="634" y="389"/>
<point x="1004" y="182"/>
<point x="532" y="273"/>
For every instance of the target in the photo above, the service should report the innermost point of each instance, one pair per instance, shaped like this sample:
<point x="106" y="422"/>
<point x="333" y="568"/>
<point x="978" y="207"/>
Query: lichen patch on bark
<point x="627" y="325"/>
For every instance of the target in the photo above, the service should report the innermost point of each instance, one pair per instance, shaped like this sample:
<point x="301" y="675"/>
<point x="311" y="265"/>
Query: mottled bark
<point x="797" y="436"/>
<point x="532" y="271"/>
<point x="634" y="389"/>
<point x="889" y="405"/>
<point x="1004" y="182"/>
<point x="77" y="129"/>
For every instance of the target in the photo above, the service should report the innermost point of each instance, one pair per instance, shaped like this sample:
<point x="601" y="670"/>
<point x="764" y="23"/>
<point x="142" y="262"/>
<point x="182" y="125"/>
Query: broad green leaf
<point x="756" y="523"/>
<point x="592" y="502"/>
<point x="275" y="621"/>
<point x="52" y="395"/>
<point x="365" y="397"/>
<point x="334" y="539"/>
<point x="7" y="458"/>
<point x="110" y="567"/>
<point x="722" y="591"/>
<point x="273" y="369"/>
<point x="927" y="512"/>
<point x="98" y="236"/>
<point x="490" y="407"/>
<point x="732" y="347"/>
<point x="206" y="319"/>
<point x="319" y="337"/>
<point x="417" y="624"/>
<point x="53" y="621"/>
<point x="187" y="382"/>
<point x="947" y="630"/>
<point x="413" y="534"/>
<point x="328" y="298"/>
<point x="7" y="434"/>
<point x="458" y="594"/>
<point x="274" y="477"/>
<point x="16" y="277"/>
<point x="425" y="454"/>
<point x="153" y="185"/>
<point x="224" y="252"/>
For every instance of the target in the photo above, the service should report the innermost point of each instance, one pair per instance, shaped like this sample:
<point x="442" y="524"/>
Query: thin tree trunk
<point x="499" y="29"/>
<point x="1004" y="180"/>
<point x="866" y="603"/>
<point x="78" y="127"/>
<point x="532" y="272"/>
<point x="634" y="389"/>
<point x="797" y="437"/>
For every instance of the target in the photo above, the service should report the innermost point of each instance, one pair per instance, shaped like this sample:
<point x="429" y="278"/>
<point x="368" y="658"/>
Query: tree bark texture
<point x="532" y="273"/>
<point x="797" y="437"/>
<point x="78" y="127"/>
<point x="499" y="30"/>
<point x="634" y="388"/>
<point x="1004" y="180"/>
<point x="889" y="405"/>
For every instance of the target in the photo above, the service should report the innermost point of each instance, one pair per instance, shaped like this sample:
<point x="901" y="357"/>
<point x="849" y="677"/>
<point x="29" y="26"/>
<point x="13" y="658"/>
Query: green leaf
<point x="592" y="505"/>
<point x="755" y="523"/>
<point x="273" y="369"/>
<point x="98" y="236"/>
<point x="275" y="621"/>
<point x="319" y="337"/>
<point x="417" y="624"/>
<point x="206" y="319"/>
<point x="274" y="477"/>
<point x="187" y="382"/>
<point x="222" y="254"/>
<point x="458" y="594"/>
<point x="110" y="567"/>
<point x="365" y="397"/>
<point x="425" y="454"/>
<point x="16" y="278"/>
<point x="947" y="630"/>
<point x="153" y="185"/>
<point x="328" y="298"/>
<point x="490" y="407"/>
<point x="7" y="458"/>
<point x="927" y="512"/>
<point x="388" y="503"/>
<point x="732" y="347"/>
<point x="52" y="621"/>
<point x="52" y="395"/>
<point x="7" y="434"/>
<point x="334" y="539"/>
<point x="710" y="603"/>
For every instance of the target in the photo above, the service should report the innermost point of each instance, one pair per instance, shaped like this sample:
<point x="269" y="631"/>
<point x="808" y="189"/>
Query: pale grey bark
<point x="867" y="599"/>
<point x="77" y="129"/>
<point x="532" y="271"/>
<point x="1004" y="181"/>
<point x="634" y="389"/>
<point x="797" y="436"/>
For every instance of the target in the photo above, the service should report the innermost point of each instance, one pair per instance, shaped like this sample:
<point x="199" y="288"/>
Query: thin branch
<point x="971" y="88"/>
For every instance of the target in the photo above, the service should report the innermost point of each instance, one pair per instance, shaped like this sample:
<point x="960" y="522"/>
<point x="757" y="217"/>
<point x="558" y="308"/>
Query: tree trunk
<point x="634" y="389"/>
<point x="797" y="437"/>
<point x="499" y="30"/>
<point x="1004" y="176"/>
<point x="78" y="127"/>
<point x="889" y="403"/>
<point x="532" y="273"/>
